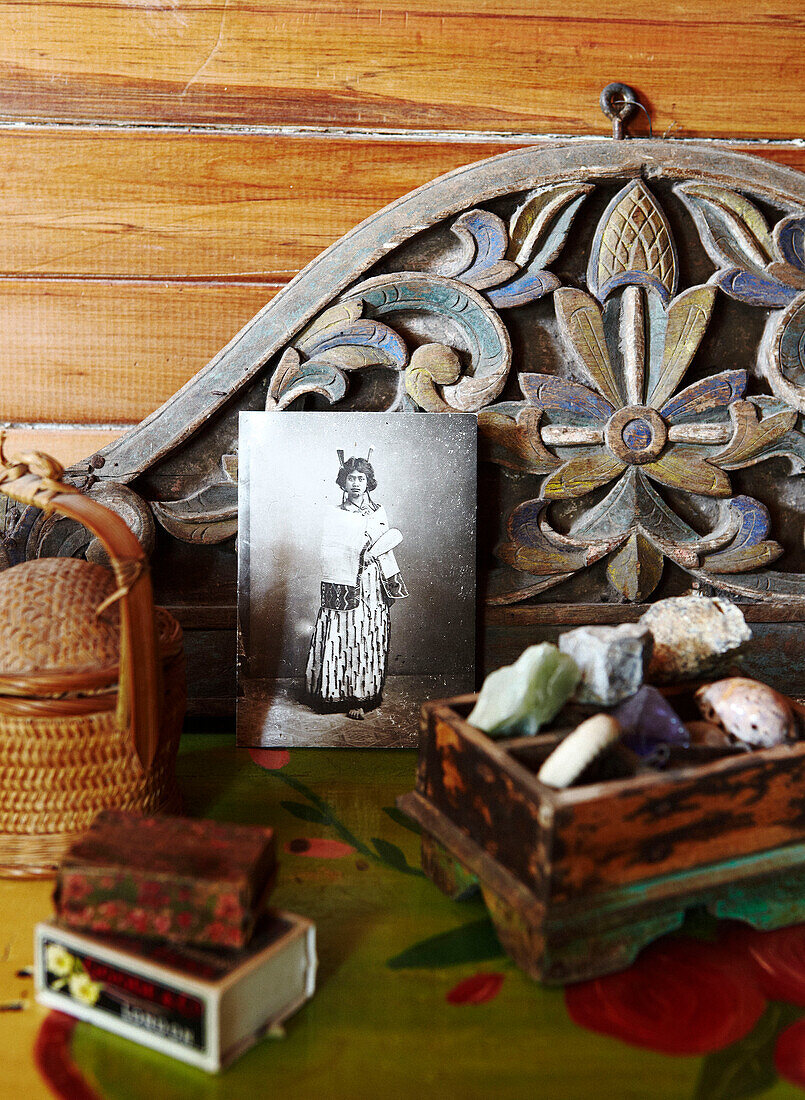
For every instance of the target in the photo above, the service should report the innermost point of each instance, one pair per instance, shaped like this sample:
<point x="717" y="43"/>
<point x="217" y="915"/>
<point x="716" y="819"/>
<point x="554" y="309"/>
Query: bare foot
<point x="357" y="714"/>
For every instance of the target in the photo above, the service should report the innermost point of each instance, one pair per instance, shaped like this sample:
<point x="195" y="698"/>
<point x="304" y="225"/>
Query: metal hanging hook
<point x="619" y="102"/>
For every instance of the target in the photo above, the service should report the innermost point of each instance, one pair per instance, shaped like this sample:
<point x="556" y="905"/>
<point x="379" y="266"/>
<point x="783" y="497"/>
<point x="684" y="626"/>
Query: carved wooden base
<point x="558" y="944"/>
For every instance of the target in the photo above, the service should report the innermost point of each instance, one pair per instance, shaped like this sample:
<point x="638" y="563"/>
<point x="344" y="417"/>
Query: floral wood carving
<point x="555" y="293"/>
<point x="630" y="423"/>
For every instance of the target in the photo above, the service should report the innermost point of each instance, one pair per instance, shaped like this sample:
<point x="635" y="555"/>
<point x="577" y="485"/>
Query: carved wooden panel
<point x="627" y="319"/>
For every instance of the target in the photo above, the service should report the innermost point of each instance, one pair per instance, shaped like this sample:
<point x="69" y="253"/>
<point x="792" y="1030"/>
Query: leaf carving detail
<point x="292" y="379"/>
<point x="484" y="239"/>
<point x="687" y="320"/>
<point x="542" y="223"/>
<point x="519" y="439"/>
<point x="528" y="286"/>
<point x="712" y="392"/>
<point x="636" y="568"/>
<point x="389" y="349"/>
<point x="580" y="475"/>
<point x="749" y="549"/>
<point x="334" y="319"/>
<point x="582" y="326"/>
<point x="750" y="435"/>
<point x="684" y="468"/>
<point x="431" y="365"/>
<point x="733" y="231"/>
<point x="208" y="516"/>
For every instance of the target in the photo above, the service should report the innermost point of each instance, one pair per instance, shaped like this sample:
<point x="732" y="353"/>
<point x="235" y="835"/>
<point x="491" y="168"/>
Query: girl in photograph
<point x="348" y="655"/>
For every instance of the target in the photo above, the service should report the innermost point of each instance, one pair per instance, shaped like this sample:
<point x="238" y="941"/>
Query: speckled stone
<point x="693" y="635"/>
<point x="612" y="660"/>
<point x="517" y="699"/>
<point x="749" y="711"/>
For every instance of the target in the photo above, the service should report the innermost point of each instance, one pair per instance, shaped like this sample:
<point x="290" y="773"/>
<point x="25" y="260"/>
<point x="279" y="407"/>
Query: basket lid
<point x="48" y="622"/>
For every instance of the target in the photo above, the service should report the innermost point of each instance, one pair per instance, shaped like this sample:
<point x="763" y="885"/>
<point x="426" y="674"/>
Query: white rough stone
<point x="693" y="635"/>
<point x="612" y="661"/>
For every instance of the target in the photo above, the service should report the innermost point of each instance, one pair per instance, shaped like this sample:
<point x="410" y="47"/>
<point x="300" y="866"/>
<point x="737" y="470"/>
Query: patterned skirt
<point x="346" y="663"/>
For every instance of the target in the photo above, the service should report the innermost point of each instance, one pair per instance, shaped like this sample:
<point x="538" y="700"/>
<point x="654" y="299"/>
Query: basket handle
<point x="36" y="478"/>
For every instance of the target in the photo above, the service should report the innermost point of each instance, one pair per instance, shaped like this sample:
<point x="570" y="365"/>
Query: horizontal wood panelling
<point x="721" y="69"/>
<point x="68" y="445"/>
<point x="210" y="206"/>
<point x="101" y="352"/>
<point x="198" y="205"/>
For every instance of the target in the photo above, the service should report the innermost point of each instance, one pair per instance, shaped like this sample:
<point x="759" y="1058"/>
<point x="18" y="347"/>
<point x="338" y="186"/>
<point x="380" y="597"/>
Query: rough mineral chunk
<point x="648" y="721"/>
<point x="612" y="660"/>
<point x="692" y="635"/>
<point x="517" y="699"/>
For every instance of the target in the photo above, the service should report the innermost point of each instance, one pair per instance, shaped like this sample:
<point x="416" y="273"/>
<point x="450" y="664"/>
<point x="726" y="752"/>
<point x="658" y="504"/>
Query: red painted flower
<point x="222" y="934"/>
<point x="76" y="888"/>
<point x="54" y="1062"/>
<point x="476" y="990"/>
<point x="272" y="759"/>
<point x="789" y="1054"/>
<point x="162" y="923"/>
<point x="777" y="960"/>
<point x="138" y="920"/>
<point x="184" y="919"/>
<point x="228" y="907"/>
<point x="680" y="997"/>
<point x="318" y="847"/>
<point x="151" y="895"/>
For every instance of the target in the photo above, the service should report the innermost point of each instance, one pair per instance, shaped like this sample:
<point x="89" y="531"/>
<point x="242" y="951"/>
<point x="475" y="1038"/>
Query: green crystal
<point x="517" y="699"/>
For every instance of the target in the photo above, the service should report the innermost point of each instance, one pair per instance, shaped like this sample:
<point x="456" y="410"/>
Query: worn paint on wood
<point x="613" y="864"/>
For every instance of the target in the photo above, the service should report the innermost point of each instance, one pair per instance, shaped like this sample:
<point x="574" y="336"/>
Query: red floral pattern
<point x="777" y="960"/>
<point x="54" y="1062"/>
<point x="167" y="878"/>
<point x="317" y="847"/>
<point x="680" y="997"/>
<point x="76" y="888"/>
<point x="789" y="1054"/>
<point x="272" y="759"/>
<point x="476" y="990"/>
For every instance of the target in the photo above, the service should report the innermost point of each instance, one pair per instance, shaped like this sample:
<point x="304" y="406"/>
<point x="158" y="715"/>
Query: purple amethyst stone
<point x="648" y="721"/>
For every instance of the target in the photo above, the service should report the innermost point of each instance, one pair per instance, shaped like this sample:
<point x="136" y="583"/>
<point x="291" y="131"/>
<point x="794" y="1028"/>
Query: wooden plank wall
<point x="168" y="164"/>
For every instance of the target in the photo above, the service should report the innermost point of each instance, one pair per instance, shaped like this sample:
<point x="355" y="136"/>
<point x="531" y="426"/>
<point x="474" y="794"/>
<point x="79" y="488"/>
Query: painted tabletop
<point x="415" y="997"/>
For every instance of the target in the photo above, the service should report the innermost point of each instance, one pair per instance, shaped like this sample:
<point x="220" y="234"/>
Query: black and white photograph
<point x="356" y="574"/>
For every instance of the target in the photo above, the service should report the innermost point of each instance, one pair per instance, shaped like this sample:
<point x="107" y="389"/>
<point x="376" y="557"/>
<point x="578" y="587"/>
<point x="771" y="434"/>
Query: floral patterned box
<point x="168" y="878"/>
<point x="201" y="1006"/>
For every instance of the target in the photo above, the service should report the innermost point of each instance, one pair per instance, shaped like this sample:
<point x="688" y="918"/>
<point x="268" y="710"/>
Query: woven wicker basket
<point x="85" y="723"/>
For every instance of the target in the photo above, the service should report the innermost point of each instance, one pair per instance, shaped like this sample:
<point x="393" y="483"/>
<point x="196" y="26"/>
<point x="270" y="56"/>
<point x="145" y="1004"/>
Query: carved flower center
<point x="636" y="434"/>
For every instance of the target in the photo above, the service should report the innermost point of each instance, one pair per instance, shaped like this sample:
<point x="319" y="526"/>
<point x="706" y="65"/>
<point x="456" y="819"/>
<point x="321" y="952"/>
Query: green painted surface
<point x="375" y="1029"/>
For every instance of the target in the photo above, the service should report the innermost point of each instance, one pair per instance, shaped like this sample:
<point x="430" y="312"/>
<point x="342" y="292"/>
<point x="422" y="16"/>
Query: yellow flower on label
<point x="58" y="960"/>
<point x="83" y="989"/>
